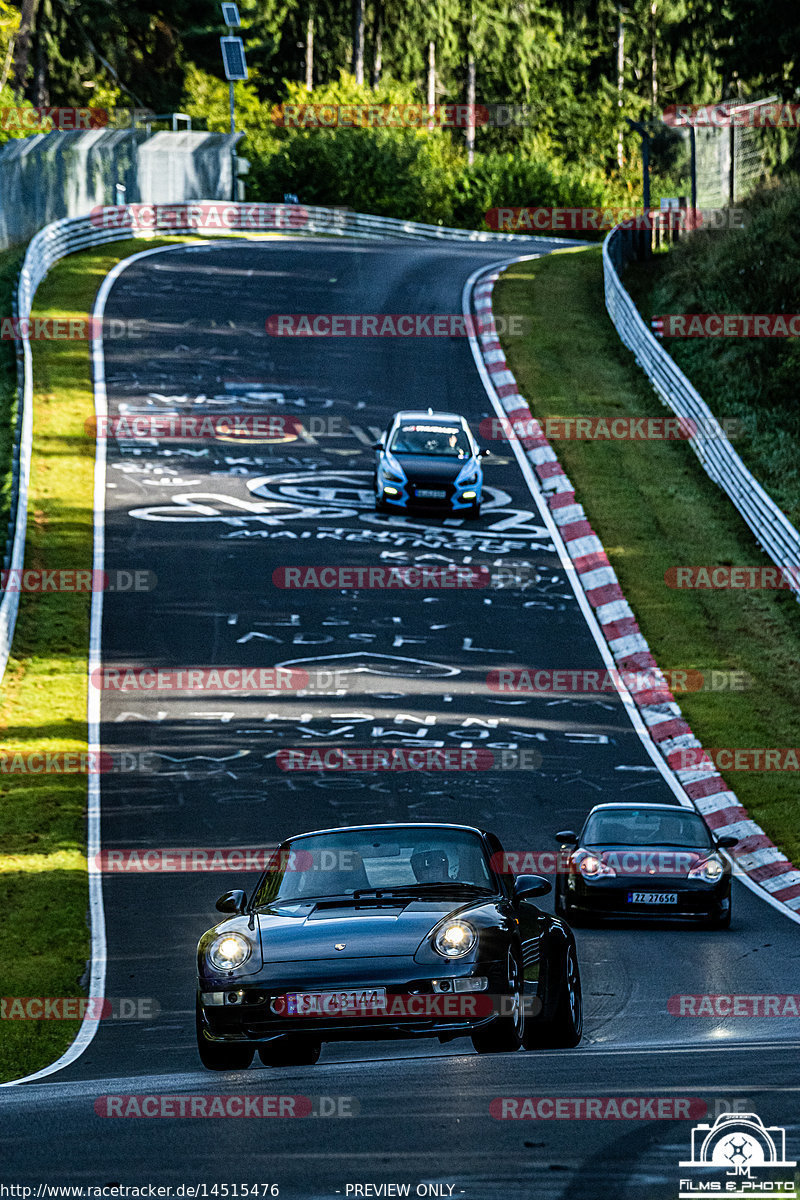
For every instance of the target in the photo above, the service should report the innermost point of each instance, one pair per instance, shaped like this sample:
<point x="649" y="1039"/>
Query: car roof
<point x="649" y="807"/>
<point x="419" y="414"/>
<point x="394" y="825"/>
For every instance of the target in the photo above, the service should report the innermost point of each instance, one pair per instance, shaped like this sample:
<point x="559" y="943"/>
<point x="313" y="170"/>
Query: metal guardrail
<point x="773" y="530"/>
<point x="104" y="225"/>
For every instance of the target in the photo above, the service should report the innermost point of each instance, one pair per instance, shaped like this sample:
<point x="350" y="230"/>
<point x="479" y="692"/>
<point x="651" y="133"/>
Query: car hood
<point x="418" y="466"/>
<point x="291" y="931"/>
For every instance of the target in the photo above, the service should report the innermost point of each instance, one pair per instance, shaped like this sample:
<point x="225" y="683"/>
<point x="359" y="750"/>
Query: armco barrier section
<point x="772" y="528"/>
<point x="110" y="224"/>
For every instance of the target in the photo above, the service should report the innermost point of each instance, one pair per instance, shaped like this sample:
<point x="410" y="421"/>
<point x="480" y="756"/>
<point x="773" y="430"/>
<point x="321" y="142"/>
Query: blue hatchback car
<point x="428" y="460"/>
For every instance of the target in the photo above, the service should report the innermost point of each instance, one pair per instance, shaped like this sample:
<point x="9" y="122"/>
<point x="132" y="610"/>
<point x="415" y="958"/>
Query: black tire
<point x="564" y="1026"/>
<point x="222" y="1056"/>
<point x="506" y="1032"/>
<point x="290" y="1051"/>
<point x="720" y="920"/>
<point x="473" y="512"/>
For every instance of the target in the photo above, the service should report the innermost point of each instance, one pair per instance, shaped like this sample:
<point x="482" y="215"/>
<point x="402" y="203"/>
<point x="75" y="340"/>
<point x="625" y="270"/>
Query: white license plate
<point x="361" y="1002"/>
<point x="430" y="494"/>
<point x="652" y="897"/>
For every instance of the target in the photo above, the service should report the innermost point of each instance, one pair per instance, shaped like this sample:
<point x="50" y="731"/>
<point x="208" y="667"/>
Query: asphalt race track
<point x="213" y="521"/>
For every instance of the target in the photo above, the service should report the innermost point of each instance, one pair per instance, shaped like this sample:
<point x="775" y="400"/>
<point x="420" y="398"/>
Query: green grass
<point x="653" y="508"/>
<point x="43" y="878"/>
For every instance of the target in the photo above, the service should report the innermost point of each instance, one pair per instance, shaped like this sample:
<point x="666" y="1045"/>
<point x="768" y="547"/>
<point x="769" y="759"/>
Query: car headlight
<point x="229" y="951"/>
<point x="389" y="468"/>
<point x="593" y="867"/>
<point x="468" y="479"/>
<point x="710" y="870"/>
<point x="454" y="939"/>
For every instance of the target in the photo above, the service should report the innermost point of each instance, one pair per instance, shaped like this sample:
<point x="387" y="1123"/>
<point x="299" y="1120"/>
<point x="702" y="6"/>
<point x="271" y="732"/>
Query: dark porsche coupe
<point x="368" y="932"/>
<point x="651" y="860"/>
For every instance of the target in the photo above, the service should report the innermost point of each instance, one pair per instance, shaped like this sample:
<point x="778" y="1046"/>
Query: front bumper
<point x="609" y="897"/>
<point x="424" y="1012"/>
<point x="408" y="496"/>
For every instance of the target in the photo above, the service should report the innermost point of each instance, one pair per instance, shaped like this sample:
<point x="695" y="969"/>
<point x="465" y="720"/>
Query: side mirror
<point x="567" y="837"/>
<point x="528" y="886"/>
<point x="727" y="841"/>
<point x="484" y="454"/>
<point x="232" y="902"/>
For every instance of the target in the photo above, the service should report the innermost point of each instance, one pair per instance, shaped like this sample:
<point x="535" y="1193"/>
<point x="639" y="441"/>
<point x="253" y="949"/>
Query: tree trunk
<point x="431" y="82"/>
<point x="653" y="58"/>
<point x="40" y="93"/>
<point x="471" y="108"/>
<point x="23" y="46"/>
<point x="310" y="53"/>
<point x="8" y="61"/>
<point x="377" y="43"/>
<point x="358" y="40"/>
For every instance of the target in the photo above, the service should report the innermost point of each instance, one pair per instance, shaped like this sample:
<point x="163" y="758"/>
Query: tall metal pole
<point x="233" y="147"/>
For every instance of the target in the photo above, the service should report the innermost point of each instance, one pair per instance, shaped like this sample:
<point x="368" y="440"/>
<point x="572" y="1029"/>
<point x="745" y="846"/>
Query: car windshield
<point x="342" y="863"/>
<point x="645" y="827"/>
<point x="432" y="438"/>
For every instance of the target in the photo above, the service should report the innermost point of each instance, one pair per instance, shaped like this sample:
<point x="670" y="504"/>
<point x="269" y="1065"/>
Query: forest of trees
<point x="581" y="67"/>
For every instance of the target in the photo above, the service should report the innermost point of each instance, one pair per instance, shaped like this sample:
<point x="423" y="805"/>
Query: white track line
<point x="97" y="981"/>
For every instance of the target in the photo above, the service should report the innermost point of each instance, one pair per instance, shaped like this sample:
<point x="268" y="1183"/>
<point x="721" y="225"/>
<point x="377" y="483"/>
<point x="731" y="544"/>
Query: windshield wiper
<point x="336" y="897"/>
<point x="415" y="889"/>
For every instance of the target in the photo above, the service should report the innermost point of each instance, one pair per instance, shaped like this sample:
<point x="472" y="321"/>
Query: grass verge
<point x="653" y="507"/>
<point x="43" y="875"/>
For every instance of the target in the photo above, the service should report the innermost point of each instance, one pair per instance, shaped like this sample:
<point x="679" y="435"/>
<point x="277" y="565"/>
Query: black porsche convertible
<point x="381" y="931"/>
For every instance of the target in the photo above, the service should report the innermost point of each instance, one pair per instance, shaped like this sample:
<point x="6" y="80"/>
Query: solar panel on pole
<point x="233" y="58"/>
